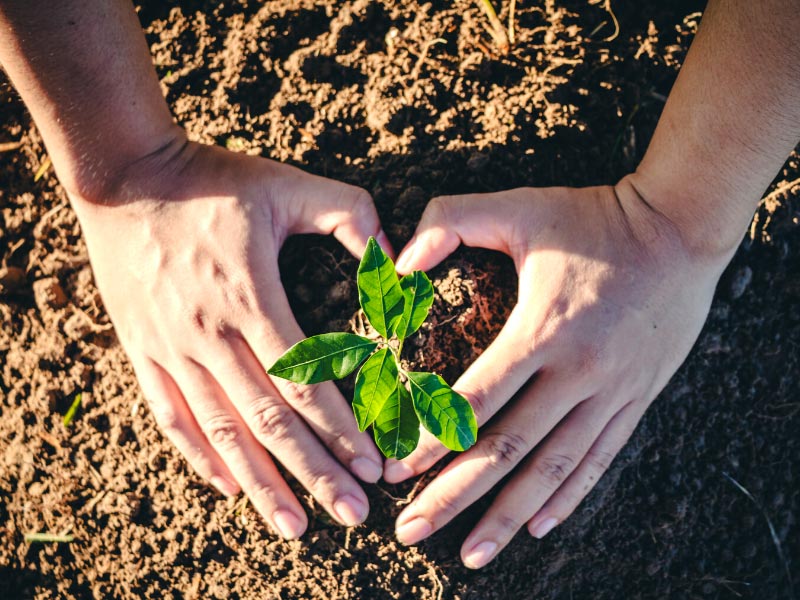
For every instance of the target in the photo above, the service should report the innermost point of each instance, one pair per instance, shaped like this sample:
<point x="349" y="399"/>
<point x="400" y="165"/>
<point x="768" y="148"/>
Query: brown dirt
<point x="407" y="100"/>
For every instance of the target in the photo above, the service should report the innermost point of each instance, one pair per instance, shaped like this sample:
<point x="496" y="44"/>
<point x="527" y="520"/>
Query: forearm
<point x="731" y="120"/>
<point x="84" y="71"/>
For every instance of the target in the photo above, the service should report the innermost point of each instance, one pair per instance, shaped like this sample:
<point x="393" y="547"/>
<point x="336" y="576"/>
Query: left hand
<point x="610" y="302"/>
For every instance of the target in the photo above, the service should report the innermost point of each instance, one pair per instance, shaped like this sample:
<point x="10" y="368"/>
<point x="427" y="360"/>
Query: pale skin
<point x="184" y="240"/>
<point x="614" y="282"/>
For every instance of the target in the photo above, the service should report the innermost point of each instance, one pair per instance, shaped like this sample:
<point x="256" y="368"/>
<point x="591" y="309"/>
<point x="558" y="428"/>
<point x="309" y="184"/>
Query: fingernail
<point x="480" y="555"/>
<point x="287" y="524"/>
<point x="396" y="470"/>
<point x="543" y="528"/>
<point x="366" y="469"/>
<point x="415" y="530"/>
<point x="350" y="510"/>
<point x="226" y="486"/>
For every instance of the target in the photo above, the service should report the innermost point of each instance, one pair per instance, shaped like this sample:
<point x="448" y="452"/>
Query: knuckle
<point x="508" y="524"/>
<point x="340" y="443"/>
<point x="321" y="483"/>
<point x="166" y="417"/>
<point x="302" y="396"/>
<point x="600" y="460"/>
<point x="262" y="494"/>
<point x="361" y="203"/>
<point x="437" y="210"/>
<point x="271" y="420"/>
<point x="555" y="468"/>
<point x="360" y="206"/>
<point x="504" y="449"/>
<point x="478" y="397"/>
<point x="446" y="506"/>
<point x="223" y="432"/>
<point x="199" y="320"/>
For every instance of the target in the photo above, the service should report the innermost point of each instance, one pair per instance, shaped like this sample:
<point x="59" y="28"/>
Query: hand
<point x="610" y="303"/>
<point x="185" y="254"/>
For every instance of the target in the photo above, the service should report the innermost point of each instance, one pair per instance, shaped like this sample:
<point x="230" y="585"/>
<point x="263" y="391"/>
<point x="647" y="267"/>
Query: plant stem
<point x="397" y="354"/>
<point x="497" y="31"/>
<point x="511" y="30"/>
<point x="48" y="537"/>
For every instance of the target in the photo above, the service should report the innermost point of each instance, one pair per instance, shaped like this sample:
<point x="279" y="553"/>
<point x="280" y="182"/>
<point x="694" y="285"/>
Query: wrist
<point x="707" y="231"/>
<point x="129" y="174"/>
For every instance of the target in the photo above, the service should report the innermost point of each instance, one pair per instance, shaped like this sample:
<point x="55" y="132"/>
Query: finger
<point x="321" y="406"/>
<point x="495" y="454"/>
<point x="596" y="462"/>
<point x="245" y="457"/>
<point x="488" y="384"/>
<point x="482" y="220"/>
<point x="313" y="204"/>
<point x="544" y="472"/>
<point x="176" y="421"/>
<point x="280" y="429"/>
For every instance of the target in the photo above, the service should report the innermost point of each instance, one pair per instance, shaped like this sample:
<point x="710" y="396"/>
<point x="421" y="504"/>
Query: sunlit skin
<point x="614" y="282"/>
<point x="184" y="240"/>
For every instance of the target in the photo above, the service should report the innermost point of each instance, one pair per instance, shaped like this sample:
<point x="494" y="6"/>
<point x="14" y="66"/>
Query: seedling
<point x="394" y="401"/>
<point x="73" y="410"/>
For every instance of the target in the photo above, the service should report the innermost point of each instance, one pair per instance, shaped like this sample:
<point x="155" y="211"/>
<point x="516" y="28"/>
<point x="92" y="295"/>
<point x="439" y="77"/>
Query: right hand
<point x="610" y="301"/>
<point x="185" y="254"/>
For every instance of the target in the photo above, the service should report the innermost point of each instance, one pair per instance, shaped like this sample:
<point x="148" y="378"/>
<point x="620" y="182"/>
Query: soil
<point x="408" y="100"/>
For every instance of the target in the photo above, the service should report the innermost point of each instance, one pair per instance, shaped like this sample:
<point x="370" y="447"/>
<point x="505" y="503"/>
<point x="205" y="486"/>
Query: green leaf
<point x="396" y="428"/>
<point x="418" y="294"/>
<point x="443" y="412"/>
<point x="323" y="357"/>
<point x="379" y="290"/>
<point x="375" y="382"/>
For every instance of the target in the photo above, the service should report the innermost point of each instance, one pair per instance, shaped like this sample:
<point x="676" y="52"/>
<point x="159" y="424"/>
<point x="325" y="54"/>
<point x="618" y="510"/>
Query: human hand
<point x="185" y="254"/>
<point x="610" y="303"/>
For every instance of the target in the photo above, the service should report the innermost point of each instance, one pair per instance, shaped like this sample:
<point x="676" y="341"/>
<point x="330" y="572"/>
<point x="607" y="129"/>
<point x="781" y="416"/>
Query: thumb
<point x="478" y="220"/>
<point x="313" y="204"/>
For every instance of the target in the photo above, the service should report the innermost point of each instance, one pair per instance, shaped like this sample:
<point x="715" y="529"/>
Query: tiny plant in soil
<point x="394" y="401"/>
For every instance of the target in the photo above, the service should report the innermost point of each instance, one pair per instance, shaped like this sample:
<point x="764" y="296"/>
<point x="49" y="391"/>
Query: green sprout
<point x="394" y="401"/>
<point x="73" y="410"/>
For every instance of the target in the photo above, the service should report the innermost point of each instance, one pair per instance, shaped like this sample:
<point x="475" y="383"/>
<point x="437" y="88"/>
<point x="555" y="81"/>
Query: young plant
<point x="394" y="401"/>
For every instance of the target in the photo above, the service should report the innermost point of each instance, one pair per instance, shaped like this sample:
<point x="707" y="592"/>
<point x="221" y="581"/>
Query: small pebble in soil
<point x="49" y="294"/>
<point x="11" y="279"/>
<point x="78" y="326"/>
<point x="740" y="281"/>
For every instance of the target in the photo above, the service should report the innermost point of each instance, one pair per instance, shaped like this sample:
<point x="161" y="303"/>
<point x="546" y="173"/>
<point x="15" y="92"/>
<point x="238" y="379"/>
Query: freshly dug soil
<point x="408" y="100"/>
